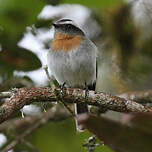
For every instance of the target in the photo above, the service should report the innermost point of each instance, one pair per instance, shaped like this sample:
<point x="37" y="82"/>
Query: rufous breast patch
<point x="65" y="42"/>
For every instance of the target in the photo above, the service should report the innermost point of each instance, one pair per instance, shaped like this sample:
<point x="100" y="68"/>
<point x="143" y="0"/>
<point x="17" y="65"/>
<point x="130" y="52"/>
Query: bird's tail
<point x="79" y="109"/>
<point x="83" y="108"/>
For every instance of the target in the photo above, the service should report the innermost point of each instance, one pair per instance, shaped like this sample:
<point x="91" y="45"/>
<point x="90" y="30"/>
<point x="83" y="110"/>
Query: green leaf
<point x="18" y="59"/>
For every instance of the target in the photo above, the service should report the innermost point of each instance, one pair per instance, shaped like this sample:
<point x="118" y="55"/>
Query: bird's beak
<point x="55" y="25"/>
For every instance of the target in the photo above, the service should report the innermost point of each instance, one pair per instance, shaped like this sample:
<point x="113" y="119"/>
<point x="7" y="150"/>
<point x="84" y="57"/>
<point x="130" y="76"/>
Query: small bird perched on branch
<point x="72" y="59"/>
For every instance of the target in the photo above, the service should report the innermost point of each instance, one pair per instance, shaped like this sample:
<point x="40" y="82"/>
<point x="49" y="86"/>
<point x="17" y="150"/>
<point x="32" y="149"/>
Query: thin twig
<point x="66" y="106"/>
<point x="18" y="123"/>
<point x="23" y="123"/>
<point x="49" y="78"/>
<point x="27" y="143"/>
<point x="49" y="115"/>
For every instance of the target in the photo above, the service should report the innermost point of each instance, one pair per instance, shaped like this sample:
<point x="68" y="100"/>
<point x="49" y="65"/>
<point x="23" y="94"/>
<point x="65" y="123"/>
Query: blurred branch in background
<point x="32" y="124"/>
<point x="139" y="96"/>
<point x="122" y="31"/>
<point x="132" y="136"/>
<point x="57" y="113"/>
<point x="5" y="95"/>
<point x="127" y="31"/>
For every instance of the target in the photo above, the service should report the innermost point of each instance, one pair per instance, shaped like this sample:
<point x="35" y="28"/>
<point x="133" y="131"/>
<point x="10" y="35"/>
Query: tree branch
<point x="138" y="96"/>
<point x="25" y="96"/>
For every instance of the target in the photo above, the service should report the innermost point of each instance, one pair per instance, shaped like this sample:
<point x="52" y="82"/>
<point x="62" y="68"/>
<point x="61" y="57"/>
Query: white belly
<point x="75" y="68"/>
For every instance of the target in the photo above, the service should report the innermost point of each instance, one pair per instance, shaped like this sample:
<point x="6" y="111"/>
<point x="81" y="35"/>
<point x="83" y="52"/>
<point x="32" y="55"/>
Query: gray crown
<point x="67" y="26"/>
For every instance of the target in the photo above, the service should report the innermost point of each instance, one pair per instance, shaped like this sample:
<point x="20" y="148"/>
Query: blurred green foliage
<point x="95" y="3"/>
<point x="126" y="55"/>
<point x="15" y="16"/>
<point x="59" y="136"/>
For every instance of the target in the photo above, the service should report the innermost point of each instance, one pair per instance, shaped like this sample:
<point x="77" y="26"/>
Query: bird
<point x="72" y="59"/>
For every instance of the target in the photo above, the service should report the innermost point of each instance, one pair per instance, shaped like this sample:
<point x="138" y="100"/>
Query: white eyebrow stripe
<point x="66" y="22"/>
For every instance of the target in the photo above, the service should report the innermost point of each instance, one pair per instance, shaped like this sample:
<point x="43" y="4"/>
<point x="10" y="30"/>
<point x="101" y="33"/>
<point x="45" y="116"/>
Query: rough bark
<point x="25" y="96"/>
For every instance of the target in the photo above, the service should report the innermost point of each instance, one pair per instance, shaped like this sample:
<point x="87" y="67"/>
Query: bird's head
<point x="67" y="26"/>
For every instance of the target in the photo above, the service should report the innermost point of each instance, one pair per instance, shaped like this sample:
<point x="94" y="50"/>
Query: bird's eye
<point x="68" y="26"/>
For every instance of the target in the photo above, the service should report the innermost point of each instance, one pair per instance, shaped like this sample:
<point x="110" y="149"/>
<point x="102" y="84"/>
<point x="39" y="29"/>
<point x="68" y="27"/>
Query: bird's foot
<point x="63" y="93"/>
<point x="63" y="89"/>
<point x="86" y="91"/>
